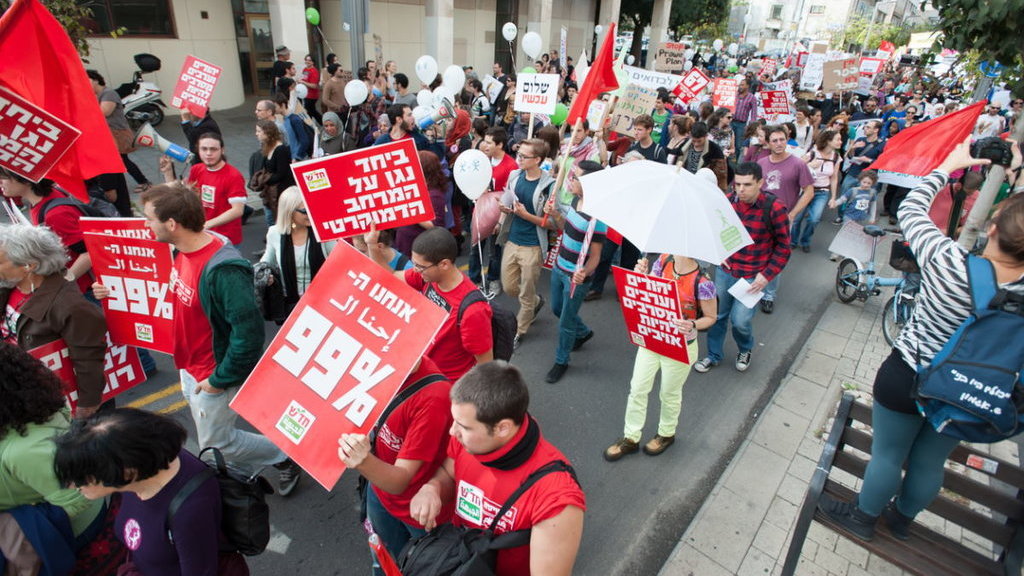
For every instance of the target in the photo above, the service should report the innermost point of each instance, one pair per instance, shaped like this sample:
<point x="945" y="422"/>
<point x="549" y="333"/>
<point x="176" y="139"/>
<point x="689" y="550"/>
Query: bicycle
<point x="855" y="281"/>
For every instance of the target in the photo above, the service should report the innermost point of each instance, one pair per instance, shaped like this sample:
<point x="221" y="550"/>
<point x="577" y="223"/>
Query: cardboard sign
<point x="814" y="72"/>
<point x="537" y="93"/>
<point x="852" y="242"/>
<point x="650" y="79"/>
<point x="137" y="271"/>
<point x="638" y="100"/>
<point x="693" y="85"/>
<point x="769" y="66"/>
<point x="121" y="227"/>
<point x="353" y="338"/>
<point x="864" y="85"/>
<point x="871" y="66"/>
<point x="378" y="51"/>
<point x="552" y="256"/>
<point x="840" y="75"/>
<point x="31" y="139"/>
<point x="726" y="90"/>
<point x="346" y="193"/>
<point x="492" y="87"/>
<point x="649" y="306"/>
<point x="563" y="47"/>
<point x="122" y="368"/>
<point x="775" y="104"/>
<point x="195" y="86"/>
<point x="594" y="113"/>
<point x="670" y="57"/>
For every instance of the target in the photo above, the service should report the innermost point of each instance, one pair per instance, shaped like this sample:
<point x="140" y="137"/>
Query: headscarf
<point x="459" y="130"/>
<point x="331" y="117"/>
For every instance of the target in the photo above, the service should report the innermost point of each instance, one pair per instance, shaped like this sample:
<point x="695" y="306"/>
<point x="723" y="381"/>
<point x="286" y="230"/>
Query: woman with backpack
<point x="901" y="434"/>
<point x="141" y="455"/>
<point x="823" y="162"/>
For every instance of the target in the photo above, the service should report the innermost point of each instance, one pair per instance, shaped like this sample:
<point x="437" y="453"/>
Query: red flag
<point x="42" y="65"/>
<point x="920" y="149"/>
<point x="887" y="46"/>
<point x="600" y="78"/>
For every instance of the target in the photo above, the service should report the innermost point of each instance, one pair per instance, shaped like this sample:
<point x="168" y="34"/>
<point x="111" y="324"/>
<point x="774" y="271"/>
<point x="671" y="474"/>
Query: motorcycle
<point x="141" y="99"/>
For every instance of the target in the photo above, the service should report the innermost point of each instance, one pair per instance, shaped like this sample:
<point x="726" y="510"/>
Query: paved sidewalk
<point x="745" y="525"/>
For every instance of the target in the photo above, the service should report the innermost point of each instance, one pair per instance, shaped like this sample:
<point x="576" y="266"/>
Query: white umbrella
<point x="663" y="209"/>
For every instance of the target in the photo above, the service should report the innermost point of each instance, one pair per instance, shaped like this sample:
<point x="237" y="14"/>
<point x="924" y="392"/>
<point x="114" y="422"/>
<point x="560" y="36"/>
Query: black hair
<point x="498" y="134"/>
<point x="699" y="130"/>
<point x="331" y="57"/>
<point x="589" y="167"/>
<point x="496" y="389"/>
<point x="95" y="75"/>
<point x="401" y="80"/>
<point x="476" y="84"/>
<point x="212" y="136"/>
<point x="435" y="245"/>
<point x="32" y="393"/>
<point x="283" y="84"/>
<point x="749" y="169"/>
<point x="42" y="188"/>
<point x="395" y="113"/>
<point x="332" y="68"/>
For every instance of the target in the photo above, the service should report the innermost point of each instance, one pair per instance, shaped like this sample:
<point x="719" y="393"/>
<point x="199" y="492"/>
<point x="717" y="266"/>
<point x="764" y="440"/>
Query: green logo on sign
<point x="730" y="235"/>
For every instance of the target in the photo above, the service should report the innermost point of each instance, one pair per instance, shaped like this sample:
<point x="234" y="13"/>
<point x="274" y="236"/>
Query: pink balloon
<point x="485" y="216"/>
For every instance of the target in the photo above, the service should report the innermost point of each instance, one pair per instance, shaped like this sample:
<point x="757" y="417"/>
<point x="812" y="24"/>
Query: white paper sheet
<point x="739" y="292"/>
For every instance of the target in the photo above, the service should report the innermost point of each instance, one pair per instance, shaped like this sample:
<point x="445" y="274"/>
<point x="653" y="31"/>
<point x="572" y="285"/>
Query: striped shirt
<point x="770" y="251"/>
<point x="572" y="239"/>
<point x="746" y="108"/>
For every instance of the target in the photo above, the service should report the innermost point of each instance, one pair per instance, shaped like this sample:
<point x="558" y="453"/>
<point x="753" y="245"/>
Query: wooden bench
<point x="927" y="552"/>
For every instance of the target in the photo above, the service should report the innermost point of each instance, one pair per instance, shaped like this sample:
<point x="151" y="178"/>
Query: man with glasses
<point x="868" y="112"/>
<point x="990" y="124"/>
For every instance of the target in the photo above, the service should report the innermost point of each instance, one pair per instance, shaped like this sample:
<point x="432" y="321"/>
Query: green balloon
<point x="313" y="16"/>
<point x="529" y="70"/>
<point x="561" y="113"/>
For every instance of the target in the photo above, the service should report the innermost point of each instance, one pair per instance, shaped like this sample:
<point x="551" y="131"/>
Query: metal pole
<point x="354" y="13"/>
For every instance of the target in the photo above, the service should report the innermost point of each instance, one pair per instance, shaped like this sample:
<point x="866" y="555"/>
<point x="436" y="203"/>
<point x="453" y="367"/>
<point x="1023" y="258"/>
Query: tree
<point x="695" y="17"/>
<point x="636" y="15"/>
<point x="856" y="28"/>
<point x="71" y="14"/>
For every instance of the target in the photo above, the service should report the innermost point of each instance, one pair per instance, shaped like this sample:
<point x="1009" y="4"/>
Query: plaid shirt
<point x="770" y="251"/>
<point x="746" y="108"/>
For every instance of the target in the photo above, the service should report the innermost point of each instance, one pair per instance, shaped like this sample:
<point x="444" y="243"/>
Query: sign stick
<point x="561" y="173"/>
<point x="529" y="131"/>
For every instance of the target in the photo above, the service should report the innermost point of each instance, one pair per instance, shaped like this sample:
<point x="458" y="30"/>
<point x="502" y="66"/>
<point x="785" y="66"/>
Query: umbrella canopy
<point x="663" y="209"/>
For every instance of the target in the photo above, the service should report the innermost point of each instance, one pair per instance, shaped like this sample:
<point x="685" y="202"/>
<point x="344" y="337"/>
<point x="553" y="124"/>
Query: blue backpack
<point x="971" y="390"/>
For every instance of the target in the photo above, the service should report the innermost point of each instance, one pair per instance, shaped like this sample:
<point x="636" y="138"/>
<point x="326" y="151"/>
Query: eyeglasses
<point x="420" y="268"/>
<point x="524" y="157"/>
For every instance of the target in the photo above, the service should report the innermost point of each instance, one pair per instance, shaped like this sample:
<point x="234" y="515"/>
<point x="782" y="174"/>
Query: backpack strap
<point x="981" y="279"/>
<point x="470" y="299"/>
<point x="61" y="201"/>
<point x="769" y="203"/>
<point x="522" y="537"/>
<point x="191" y="486"/>
<point x="398" y="400"/>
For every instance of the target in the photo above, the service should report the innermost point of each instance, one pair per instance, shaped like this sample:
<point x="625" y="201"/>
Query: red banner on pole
<point x="138" y="274"/>
<point x="346" y="193"/>
<point x="31" y="139"/>
<point x="692" y="85"/>
<point x="769" y="66"/>
<point x="195" y="86"/>
<point x="552" y="256"/>
<point x="122" y="368"/>
<point x="355" y="335"/>
<point x="775" y="103"/>
<point x="649" y="305"/>
<point x="725" y="93"/>
<point x="121" y="227"/>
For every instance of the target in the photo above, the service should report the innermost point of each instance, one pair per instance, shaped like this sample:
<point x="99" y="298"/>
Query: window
<point x="818" y="9"/>
<point x="776" y="12"/>
<point x="137" y="17"/>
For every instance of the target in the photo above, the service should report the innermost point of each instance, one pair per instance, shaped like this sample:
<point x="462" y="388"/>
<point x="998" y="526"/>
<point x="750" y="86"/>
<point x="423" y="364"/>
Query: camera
<point x="993" y="148"/>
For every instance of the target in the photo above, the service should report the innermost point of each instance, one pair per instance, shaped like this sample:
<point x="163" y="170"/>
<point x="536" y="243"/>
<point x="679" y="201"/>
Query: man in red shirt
<point x="459" y="345"/>
<point x="220" y="185"/>
<point x="495" y="446"/>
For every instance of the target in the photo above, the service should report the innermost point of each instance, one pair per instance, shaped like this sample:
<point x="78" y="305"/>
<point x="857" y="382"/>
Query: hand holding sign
<point x="195" y="86"/>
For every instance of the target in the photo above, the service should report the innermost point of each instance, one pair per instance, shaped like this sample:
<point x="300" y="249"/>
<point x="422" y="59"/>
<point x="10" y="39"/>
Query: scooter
<point x="141" y="99"/>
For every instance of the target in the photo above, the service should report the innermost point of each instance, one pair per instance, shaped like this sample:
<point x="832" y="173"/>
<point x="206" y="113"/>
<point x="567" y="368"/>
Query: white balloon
<point x="733" y="48"/>
<point x="424" y="97"/>
<point x="453" y="78"/>
<point x="717" y="44"/>
<point x="426" y="69"/>
<point x="472" y="171"/>
<point x="420" y="112"/>
<point x="442" y="92"/>
<point x="630" y="59"/>
<point x="346" y="26"/>
<point x="688" y="53"/>
<point x="687" y="65"/>
<point x="509" y="31"/>
<point x="301" y="90"/>
<point x="532" y="44"/>
<point x="355" y="92"/>
<point x="598" y="29"/>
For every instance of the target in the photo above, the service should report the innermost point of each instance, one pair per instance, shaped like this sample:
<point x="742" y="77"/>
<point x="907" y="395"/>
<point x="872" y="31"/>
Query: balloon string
<point x="512" y="53"/>
<point x="480" y="251"/>
<point x="324" y="38"/>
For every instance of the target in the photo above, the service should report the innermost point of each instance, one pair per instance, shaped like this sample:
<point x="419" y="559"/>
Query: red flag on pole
<point x="42" y="65"/>
<point x="600" y="78"/>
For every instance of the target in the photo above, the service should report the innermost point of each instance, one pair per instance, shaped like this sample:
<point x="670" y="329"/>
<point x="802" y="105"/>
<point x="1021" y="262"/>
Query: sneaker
<point x="517" y="341"/>
<point x="556" y="373"/>
<point x="806" y="249"/>
<point x="658" y="444"/>
<point x="289" y="475"/>
<point x="538" y="307"/>
<point x="847" y="515"/>
<point x="743" y="361"/>
<point x="899" y="525"/>
<point x="833" y="257"/>
<point x="494" y="287"/>
<point x="621" y="448"/>
<point x="705" y="364"/>
<point x="767" y="306"/>
<point x="837" y="220"/>
<point x="592" y="296"/>
<point x="581" y="341"/>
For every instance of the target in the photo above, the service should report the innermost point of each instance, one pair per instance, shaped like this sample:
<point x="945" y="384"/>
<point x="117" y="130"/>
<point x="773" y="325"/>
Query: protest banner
<point x="814" y="72"/>
<point x="638" y="100"/>
<point x="31" y="139"/>
<point x="775" y="104"/>
<point x="355" y="335"/>
<point x="724" y="95"/>
<point x="871" y="66"/>
<point x="563" y="47"/>
<point x="122" y="368"/>
<point x="693" y="85"/>
<point x="195" y="86"/>
<point x="137" y="272"/>
<point x="769" y="66"/>
<point x="346" y="193"/>
<point x="649" y="306"/>
<point x="121" y="227"/>
<point x="864" y="85"/>
<point x="649" y="78"/>
<point x="594" y="113"/>
<point x="378" y="51"/>
<point x="536" y="93"/>
<point x="670" y="57"/>
<point x="552" y="256"/>
<point x="840" y="75"/>
<point x="492" y="87"/>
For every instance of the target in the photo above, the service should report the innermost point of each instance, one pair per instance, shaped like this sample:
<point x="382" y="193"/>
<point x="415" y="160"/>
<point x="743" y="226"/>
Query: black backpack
<point x="88" y="210"/>
<point x="245" y="516"/>
<point x="450" y="550"/>
<point x="503" y="325"/>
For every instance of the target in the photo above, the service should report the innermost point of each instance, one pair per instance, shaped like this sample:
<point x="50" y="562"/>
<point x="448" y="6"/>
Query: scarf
<point x="332" y="117"/>
<point x="460" y="129"/>
<point x="585" y="150"/>
<point x="314" y="257"/>
<point x="518" y="451"/>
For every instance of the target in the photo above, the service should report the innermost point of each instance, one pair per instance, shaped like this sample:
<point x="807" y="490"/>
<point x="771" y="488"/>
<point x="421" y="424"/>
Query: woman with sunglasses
<point x="292" y="248"/>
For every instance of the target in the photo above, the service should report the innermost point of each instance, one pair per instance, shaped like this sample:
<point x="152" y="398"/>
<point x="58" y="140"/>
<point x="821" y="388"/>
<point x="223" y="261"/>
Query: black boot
<point x="849" y="516"/>
<point x="899" y="525"/>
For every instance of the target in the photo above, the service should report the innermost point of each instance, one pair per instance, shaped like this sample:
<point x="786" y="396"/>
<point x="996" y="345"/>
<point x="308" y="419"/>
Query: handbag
<point x="260" y="182"/>
<point x="125" y="140"/>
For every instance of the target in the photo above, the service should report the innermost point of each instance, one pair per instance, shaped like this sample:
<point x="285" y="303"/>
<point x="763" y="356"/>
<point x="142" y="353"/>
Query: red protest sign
<point x="347" y="192"/>
<point x="775" y="102"/>
<point x="355" y="335"/>
<point x="122" y="227"/>
<point x="692" y="85"/>
<point x="769" y="66"/>
<point x="31" y="139"/>
<point x="649" y="305"/>
<point x="138" y="274"/>
<point x="552" y="256"/>
<point x="725" y="92"/>
<point x="871" y="66"/>
<point x="195" y="86"/>
<point x="122" y="368"/>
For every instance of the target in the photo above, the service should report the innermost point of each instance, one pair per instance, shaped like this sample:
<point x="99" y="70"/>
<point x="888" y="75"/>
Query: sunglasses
<point x="302" y="211"/>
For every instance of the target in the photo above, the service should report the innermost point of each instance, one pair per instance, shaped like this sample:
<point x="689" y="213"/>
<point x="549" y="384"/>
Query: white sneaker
<point x="743" y="361"/>
<point x="704" y="364"/>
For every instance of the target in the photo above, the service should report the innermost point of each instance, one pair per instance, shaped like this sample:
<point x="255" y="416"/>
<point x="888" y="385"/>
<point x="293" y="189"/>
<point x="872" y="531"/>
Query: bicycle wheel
<point x="847" y="280"/>
<point x="895" y="317"/>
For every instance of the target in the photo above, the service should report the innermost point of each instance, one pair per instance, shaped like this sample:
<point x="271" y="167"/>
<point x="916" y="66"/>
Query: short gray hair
<point x="26" y="244"/>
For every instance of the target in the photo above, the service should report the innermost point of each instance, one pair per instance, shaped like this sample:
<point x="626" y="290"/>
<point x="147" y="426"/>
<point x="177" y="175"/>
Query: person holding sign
<point x="699" y="307"/>
<point x="38" y="306"/>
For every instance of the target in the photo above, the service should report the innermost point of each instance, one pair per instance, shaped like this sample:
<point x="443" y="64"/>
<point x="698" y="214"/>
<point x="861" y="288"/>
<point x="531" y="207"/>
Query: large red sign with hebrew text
<point x="122" y="368"/>
<point x="195" y="86"/>
<point x="649" y="306"/>
<point x="31" y="139"/>
<point x="355" y="335"/>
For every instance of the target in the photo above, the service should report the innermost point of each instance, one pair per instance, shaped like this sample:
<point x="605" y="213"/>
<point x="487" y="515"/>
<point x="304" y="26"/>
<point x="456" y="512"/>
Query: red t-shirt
<point x="63" y="220"/>
<point x="501" y="170"/>
<point x="311" y="75"/>
<point x="480" y="491"/>
<point x="193" y="336"/>
<point x="219" y="189"/>
<point x="417" y="430"/>
<point x="456" y="345"/>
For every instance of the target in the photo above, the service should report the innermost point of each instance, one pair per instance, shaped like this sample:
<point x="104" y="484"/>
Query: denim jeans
<point x="772" y="288"/>
<point x="492" y="258"/>
<point x="393" y="533"/>
<point x="729" y="310"/>
<point x="803" y="228"/>
<point x="570" y="325"/>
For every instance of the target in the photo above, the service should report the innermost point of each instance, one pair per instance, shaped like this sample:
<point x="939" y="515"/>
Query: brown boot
<point x="621" y="448"/>
<point x="658" y="444"/>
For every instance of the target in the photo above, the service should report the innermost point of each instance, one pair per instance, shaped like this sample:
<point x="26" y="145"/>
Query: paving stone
<point x="781" y="431"/>
<point x="803" y="468"/>
<point x="688" y="561"/>
<point x="838" y="318"/>
<point x="815" y="366"/>
<point x="808" y="568"/>
<point x="812" y="444"/>
<point x="878" y="566"/>
<point x="831" y="561"/>
<point x="727" y="529"/>
<point x="782" y="513"/>
<point x="756" y="563"/>
<point x="756" y="473"/>
<point x="826" y="343"/>
<point x="852" y="552"/>
<point x="801" y="396"/>
<point x="771" y="539"/>
<point x="793" y="489"/>
<point x="823" y="536"/>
